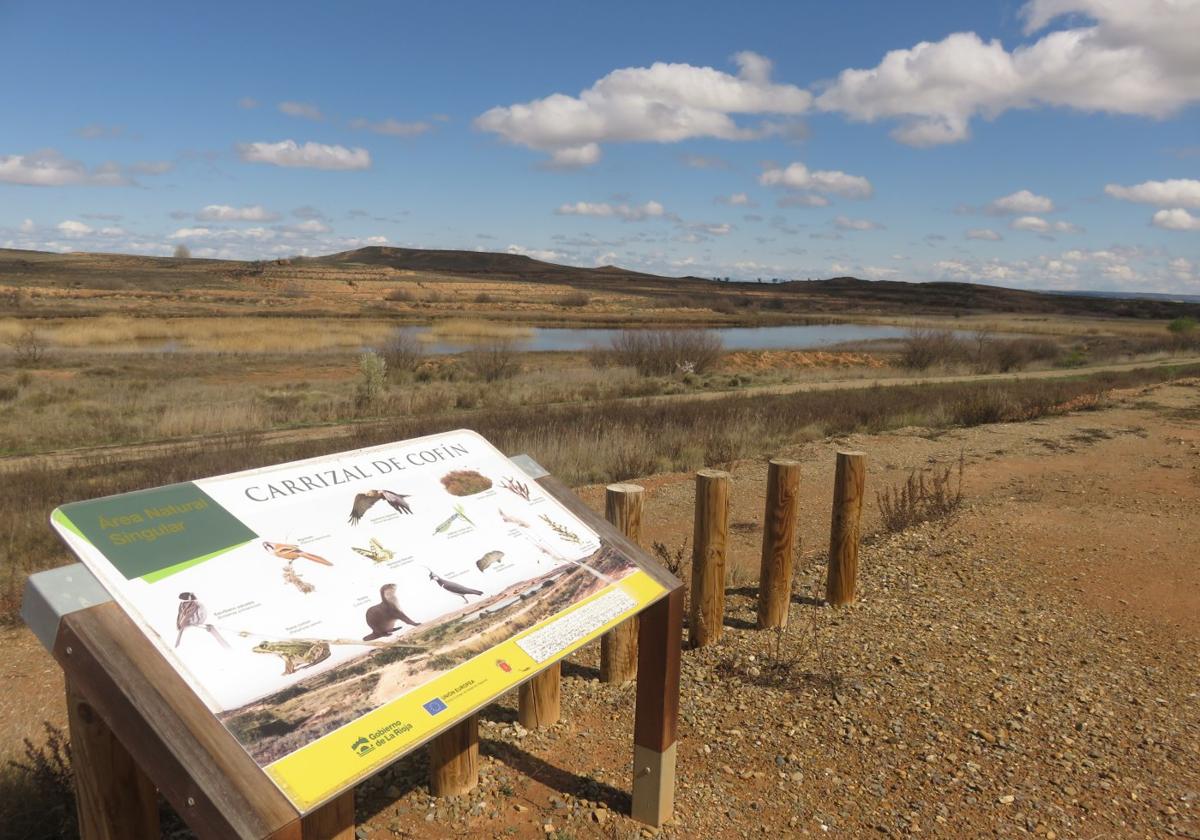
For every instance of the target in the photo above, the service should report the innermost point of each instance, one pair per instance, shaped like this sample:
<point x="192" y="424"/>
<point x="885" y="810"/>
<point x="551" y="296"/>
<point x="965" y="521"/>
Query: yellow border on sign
<point x="318" y="771"/>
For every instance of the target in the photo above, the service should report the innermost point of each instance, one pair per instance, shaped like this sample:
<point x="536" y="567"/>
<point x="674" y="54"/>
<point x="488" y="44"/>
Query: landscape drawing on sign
<point x="297" y="599"/>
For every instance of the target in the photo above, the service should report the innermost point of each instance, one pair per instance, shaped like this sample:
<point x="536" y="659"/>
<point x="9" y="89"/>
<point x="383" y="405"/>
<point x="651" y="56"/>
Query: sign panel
<point x="335" y="613"/>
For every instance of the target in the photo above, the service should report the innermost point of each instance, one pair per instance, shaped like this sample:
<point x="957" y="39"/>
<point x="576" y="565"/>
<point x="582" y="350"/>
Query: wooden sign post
<point x="710" y="539"/>
<point x="619" y="649"/>
<point x="139" y="729"/>
<point x="842" y="577"/>
<point x="779" y="543"/>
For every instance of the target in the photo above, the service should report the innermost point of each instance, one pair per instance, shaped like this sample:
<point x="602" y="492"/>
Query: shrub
<point x="923" y="348"/>
<point x="400" y="296"/>
<point x="39" y="794"/>
<point x="574" y="299"/>
<point x="663" y="352"/>
<point x="983" y="405"/>
<point x="372" y="377"/>
<point x="484" y="297"/>
<point x="917" y="500"/>
<point x="1182" y="325"/>
<point x="493" y="359"/>
<point x="28" y="346"/>
<point x="403" y="352"/>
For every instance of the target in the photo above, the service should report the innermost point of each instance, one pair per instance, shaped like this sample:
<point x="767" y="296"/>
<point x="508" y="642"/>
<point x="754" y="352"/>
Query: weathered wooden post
<point x="710" y="538"/>
<point x="454" y="759"/>
<point x="538" y="699"/>
<point x="656" y="718"/>
<point x="114" y="799"/>
<point x="842" y="577"/>
<point x="332" y="821"/>
<point x="779" y="541"/>
<point x="619" y="647"/>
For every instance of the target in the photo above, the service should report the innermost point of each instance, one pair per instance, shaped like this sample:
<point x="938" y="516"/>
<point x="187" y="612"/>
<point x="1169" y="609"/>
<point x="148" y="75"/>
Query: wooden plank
<point x="711" y="538"/>
<point x="196" y="763"/>
<point x="332" y="821"/>
<point x="623" y="505"/>
<point x="113" y="797"/>
<point x="454" y="759"/>
<point x="779" y="543"/>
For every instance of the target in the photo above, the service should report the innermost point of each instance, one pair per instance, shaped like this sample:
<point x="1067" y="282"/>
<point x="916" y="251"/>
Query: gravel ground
<point x="1027" y="667"/>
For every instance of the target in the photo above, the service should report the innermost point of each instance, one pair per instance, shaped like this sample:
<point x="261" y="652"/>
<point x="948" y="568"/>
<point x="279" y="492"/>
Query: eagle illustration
<point x="286" y="551"/>
<point x="363" y="502"/>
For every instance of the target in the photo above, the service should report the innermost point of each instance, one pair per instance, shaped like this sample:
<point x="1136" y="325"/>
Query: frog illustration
<point x="296" y="653"/>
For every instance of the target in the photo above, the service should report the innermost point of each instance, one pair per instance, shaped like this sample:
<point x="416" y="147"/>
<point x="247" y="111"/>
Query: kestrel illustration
<point x="286" y="551"/>
<point x="456" y="588"/>
<point x="194" y="614"/>
<point x="363" y="502"/>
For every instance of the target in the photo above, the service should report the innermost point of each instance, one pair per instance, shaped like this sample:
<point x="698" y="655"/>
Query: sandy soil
<point x="1028" y="667"/>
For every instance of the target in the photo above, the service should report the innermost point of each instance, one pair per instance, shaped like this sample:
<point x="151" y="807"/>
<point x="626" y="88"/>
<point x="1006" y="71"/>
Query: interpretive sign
<point x="337" y="612"/>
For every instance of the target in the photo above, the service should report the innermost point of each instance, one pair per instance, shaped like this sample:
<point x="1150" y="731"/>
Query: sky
<point x="1050" y="144"/>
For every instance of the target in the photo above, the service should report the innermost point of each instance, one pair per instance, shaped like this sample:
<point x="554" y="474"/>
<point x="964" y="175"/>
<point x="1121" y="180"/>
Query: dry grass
<point x="467" y="331"/>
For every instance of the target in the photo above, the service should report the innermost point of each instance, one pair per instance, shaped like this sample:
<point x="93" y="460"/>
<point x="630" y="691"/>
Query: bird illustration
<point x="288" y="552"/>
<point x="376" y="552"/>
<point x="363" y="502"/>
<point x="194" y="614"/>
<point x="456" y="588"/>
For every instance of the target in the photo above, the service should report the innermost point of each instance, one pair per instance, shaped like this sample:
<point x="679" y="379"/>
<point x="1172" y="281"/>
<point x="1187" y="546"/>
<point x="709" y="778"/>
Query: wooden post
<point x="332" y="821"/>
<point x="538" y="700"/>
<point x="842" y="577"/>
<point x="618" y="647"/>
<point x="114" y="799"/>
<point x="711" y="535"/>
<point x="779" y="541"/>
<point x="656" y="717"/>
<point x="454" y="759"/>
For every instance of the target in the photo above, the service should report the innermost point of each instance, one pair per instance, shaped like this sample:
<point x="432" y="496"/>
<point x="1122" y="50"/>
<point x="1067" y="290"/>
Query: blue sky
<point x="1048" y="144"/>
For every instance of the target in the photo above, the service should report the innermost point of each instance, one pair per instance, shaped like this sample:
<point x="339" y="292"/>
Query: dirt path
<point x="1029" y="667"/>
<point x="66" y="458"/>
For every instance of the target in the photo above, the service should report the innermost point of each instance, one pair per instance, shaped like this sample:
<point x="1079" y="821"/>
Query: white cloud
<point x="310" y="155"/>
<point x="722" y="229"/>
<point x="1039" y="225"/>
<point x="226" y="213"/>
<point x="311" y="226"/>
<point x="704" y="162"/>
<point x="1021" y="202"/>
<point x="802" y="200"/>
<point x="301" y="109"/>
<point x="984" y="234"/>
<point x="1177" y="192"/>
<point x="1134" y="57"/>
<point x="797" y="176"/>
<point x="392" y="127"/>
<point x="48" y="168"/>
<point x="72" y="228"/>
<point x="736" y="200"/>
<point x="844" y="223"/>
<point x="247" y="103"/>
<point x="27" y="226"/>
<point x="663" y="103"/>
<point x="634" y="213"/>
<point x="151" y="167"/>
<point x="1176" y="219"/>
<point x="536" y="253"/>
<point x="1183" y="270"/>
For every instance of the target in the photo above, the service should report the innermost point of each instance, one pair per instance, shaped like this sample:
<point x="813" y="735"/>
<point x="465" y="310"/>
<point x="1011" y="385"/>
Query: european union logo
<point x="435" y="705"/>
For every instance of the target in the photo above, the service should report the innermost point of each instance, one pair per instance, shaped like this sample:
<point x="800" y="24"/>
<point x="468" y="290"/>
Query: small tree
<point x="182" y="252"/>
<point x="372" y="376"/>
<point x="1182" y="326"/>
<point x="28" y="346"/>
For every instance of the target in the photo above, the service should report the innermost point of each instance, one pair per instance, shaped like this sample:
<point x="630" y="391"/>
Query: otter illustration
<point x="382" y="617"/>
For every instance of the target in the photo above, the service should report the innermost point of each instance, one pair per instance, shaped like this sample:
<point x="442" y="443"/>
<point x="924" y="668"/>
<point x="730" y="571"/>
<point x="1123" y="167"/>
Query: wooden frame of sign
<point x="137" y="727"/>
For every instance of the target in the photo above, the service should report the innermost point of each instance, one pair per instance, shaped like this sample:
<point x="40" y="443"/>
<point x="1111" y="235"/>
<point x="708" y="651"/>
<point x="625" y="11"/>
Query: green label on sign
<point x="152" y="531"/>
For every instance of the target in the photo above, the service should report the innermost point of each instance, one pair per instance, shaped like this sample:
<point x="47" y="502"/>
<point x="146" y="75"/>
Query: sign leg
<point x="115" y="800"/>
<point x="538" y="703"/>
<point x="454" y="759"/>
<point x="332" y="821"/>
<point x="656" y="719"/>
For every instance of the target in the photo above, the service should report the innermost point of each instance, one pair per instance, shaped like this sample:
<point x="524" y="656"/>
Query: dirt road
<point x="1029" y="667"/>
<point x="66" y="458"/>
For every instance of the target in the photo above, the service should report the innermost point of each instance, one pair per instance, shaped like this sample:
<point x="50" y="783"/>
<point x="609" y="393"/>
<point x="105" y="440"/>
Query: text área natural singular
<point x="154" y="516"/>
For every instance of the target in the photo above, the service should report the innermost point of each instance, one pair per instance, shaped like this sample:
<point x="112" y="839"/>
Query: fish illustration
<point x="489" y="559"/>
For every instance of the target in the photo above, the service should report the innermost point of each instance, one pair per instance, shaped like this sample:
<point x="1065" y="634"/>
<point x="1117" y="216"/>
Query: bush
<point x="484" y="297"/>
<point x="664" y="352"/>
<point x="493" y="360"/>
<point x="403" y="352"/>
<point x="916" y="501"/>
<point x="28" y="346"/>
<point x="400" y="296"/>
<point x="574" y="299"/>
<point x="1183" y="325"/>
<point x="39" y="793"/>
<point x="984" y="405"/>
<point x="372" y="377"/>
<point x="923" y="348"/>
